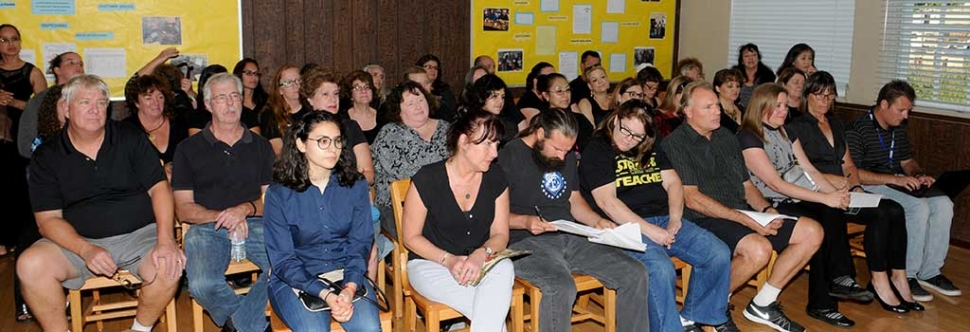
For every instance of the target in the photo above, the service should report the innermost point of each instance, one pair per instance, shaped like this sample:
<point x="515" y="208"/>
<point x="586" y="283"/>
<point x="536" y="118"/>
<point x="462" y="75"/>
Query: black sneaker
<point x="729" y="325"/>
<point x="831" y="317"/>
<point x="772" y="316"/>
<point x="941" y="285"/>
<point x="919" y="294"/>
<point x="853" y="292"/>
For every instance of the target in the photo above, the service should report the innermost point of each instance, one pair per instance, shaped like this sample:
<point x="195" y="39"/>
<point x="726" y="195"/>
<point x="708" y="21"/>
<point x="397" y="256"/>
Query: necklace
<point x="466" y="186"/>
<point x="152" y="136"/>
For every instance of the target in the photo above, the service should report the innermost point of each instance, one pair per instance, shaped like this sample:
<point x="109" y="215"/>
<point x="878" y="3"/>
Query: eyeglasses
<point x="223" y="98"/>
<point x="361" y="87"/>
<point x="824" y="96"/>
<point x="290" y="83"/>
<point x="634" y="94"/>
<point x="325" y="142"/>
<point x="430" y="67"/>
<point x="630" y="134"/>
<point x="252" y="73"/>
<point x="651" y="87"/>
<point x="9" y="40"/>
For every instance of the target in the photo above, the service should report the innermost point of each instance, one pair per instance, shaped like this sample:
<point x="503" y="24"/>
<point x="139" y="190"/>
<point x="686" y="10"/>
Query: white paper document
<point x="582" y="19"/>
<point x="765" y="218"/>
<point x="617" y="62"/>
<point x="615" y="6"/>
<point x="863" y="200"/>
<point x="569" y="64"/>
<point x="105" y="62"/>
<point x="626" y="236"/>
<point x="609" y="32"/>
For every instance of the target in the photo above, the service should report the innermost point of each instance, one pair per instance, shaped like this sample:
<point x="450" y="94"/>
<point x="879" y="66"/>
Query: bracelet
<point x="443" y="258"/>
<point x="254" y="208"/>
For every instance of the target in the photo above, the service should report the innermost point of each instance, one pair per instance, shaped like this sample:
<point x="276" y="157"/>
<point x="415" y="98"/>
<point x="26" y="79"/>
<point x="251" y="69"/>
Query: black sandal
<point x="23" y="315"/>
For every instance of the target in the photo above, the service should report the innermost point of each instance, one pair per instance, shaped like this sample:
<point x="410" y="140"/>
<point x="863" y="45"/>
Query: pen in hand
<point x="542" y="226"/>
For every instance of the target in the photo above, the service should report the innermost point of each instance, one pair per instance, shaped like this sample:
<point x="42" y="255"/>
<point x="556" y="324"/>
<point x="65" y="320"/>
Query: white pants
<point x="486" y="305"/>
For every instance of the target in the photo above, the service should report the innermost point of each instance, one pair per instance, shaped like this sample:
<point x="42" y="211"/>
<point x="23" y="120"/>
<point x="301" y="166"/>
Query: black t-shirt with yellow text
<point x="640" y="188"/>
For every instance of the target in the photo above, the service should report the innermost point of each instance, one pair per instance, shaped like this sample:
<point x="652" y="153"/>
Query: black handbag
<point x="334" y="281"/>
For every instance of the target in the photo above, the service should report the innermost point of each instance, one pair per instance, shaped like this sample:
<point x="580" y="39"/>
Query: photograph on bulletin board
<point x="115" y="39"/>
<point x="625" y="33"/>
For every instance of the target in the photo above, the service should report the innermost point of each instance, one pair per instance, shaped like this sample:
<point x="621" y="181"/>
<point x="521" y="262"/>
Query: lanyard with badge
<point x="882" y="142"/>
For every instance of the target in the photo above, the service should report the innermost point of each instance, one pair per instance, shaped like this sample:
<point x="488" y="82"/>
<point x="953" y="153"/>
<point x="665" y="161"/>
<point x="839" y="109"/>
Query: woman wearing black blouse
<point x="456" y="215"/>
<point x="150" y="99"/>
<point x="753" y="70"/>
<point x="822" y="140"/>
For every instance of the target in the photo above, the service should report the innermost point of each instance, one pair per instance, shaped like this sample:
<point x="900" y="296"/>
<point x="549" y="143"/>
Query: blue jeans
<point x="928" y="230"/>
<point x="710" y="258"/>
<point x="207" y="252"/>
<point x="366" y="316"/>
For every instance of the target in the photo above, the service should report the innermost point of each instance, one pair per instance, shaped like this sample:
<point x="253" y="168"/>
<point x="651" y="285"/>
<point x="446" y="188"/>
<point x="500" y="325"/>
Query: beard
<point x="546" y="164"/>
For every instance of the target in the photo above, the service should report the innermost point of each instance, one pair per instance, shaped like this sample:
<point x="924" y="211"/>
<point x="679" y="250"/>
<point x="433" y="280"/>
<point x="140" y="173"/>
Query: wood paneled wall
<point x="346" y="35"/>
<point x="939" y="144"/>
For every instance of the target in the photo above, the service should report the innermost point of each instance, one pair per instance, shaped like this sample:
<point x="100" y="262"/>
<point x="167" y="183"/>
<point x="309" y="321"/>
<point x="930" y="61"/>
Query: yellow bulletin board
<point x="116" y="38"/>
<point x="521" y="33"/>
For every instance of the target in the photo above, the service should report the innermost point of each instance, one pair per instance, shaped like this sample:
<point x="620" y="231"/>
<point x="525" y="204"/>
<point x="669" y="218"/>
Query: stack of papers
<point x="626" y="236"/>
<point x="765" y="218"/>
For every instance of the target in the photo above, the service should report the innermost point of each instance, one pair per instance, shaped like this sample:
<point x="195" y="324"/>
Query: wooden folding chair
<point x="99" y="311"/>
<point x="434" y="312"/>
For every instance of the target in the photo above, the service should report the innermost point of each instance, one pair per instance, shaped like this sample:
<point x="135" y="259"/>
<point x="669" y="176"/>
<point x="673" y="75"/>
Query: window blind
<point x="926" y="44"/>
<point x="775" y="26"/>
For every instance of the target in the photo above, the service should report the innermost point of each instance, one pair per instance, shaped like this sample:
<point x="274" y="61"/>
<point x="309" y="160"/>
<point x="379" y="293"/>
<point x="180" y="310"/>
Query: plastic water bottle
<point x="238" y="252"/>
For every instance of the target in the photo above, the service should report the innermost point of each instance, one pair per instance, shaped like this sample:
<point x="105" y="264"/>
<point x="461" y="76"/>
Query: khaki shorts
<point x="129" y="248"/>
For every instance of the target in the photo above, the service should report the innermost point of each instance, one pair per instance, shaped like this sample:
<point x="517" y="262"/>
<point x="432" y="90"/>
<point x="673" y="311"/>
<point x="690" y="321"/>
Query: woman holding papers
<point x="456" y="217"/>
<point x="823" y="142"/>
<point x="796" y="188"/>
<point x="626" y="177"/>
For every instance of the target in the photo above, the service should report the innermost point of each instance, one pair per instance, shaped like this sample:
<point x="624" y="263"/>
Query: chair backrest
<point x="399" y="189"/>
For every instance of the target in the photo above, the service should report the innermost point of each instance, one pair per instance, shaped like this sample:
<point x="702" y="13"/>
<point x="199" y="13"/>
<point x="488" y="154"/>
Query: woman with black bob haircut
<point x="488" y="94"/>
<point x="456" y="217"/>
<point x="754" y="71"/>
<point x="317" y="219"/>
<point x="254" y="96"/>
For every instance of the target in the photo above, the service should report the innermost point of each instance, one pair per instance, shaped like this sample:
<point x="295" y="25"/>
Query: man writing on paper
<point x="625" y="175"/>
<point x="880" y="148"/>
<point x="716" y="185"/>
<point x="542" y="177"/>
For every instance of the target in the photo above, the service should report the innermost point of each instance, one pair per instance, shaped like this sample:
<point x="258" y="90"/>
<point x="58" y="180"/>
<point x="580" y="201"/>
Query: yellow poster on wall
<point x="522" y="33"/>
<point x="116" y="38"/>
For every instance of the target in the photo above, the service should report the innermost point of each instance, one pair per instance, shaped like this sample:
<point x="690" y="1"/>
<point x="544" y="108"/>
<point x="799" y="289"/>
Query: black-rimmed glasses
<point x="325" y="142"/>
<point x="626" y="131"/>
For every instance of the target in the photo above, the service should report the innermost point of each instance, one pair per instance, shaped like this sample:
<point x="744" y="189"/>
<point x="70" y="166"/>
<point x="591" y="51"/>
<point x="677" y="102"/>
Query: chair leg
<point x="197" y="319"/>
<point x="96" y="295"/>
<point x="398" y="287"/>
<point x="432" y="322"/>
<point x="410" y="315"/>
<point x="535" y="297"/>
<point x="609" y="309"/>
<point x="517" y="314"/>
<point x="171" y="321"/>
<point x="685" y="279"/>
<point x="77" y="321"/>
<point x="381" y="274"/>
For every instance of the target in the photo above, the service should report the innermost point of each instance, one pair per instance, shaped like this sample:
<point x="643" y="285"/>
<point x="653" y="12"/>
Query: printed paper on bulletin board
<point x="115" y="39"/>
<point x="521" y="33"/>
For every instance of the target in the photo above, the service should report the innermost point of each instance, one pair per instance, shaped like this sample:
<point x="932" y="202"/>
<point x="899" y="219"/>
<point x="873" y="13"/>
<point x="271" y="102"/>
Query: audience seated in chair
<point x="219" y="177"/>
<point x="316" y="171"/>
<point x="544" y="186"/>
<point x="116" y="215"/>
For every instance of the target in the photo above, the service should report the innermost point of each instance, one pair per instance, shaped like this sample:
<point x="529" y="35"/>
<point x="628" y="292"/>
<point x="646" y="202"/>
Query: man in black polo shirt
<point x="102" y="204"/>
<point x="579" y="85"/>
<point x="543" y="187"/>
<point x="716" y="184"/>
<point x="219" y="178"/>
<point x="880" y="149"/>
